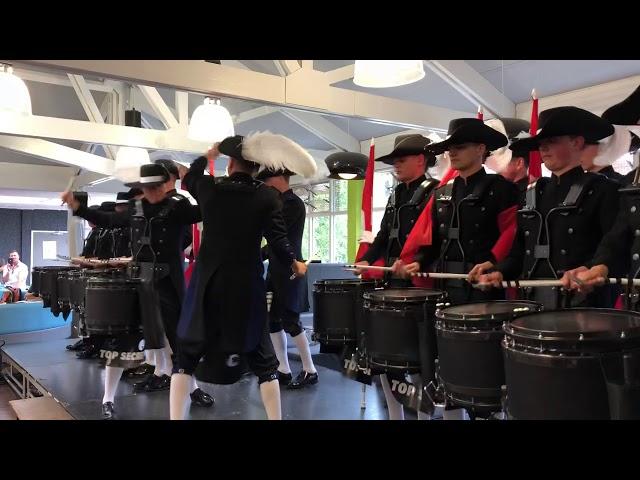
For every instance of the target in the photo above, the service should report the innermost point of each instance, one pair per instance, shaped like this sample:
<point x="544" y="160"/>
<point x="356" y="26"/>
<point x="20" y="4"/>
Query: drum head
<point x="404" y="295"/>
<point x="501" y="310"/>
<point x="582" y="323"/>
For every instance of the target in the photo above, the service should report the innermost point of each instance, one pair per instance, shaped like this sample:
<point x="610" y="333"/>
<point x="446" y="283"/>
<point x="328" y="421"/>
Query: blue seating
<point x="24" y="317"/>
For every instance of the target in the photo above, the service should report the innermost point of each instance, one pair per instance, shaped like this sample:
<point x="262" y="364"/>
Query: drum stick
<point x="550" y="283"/>
<point x="444" y="275"/>
<point x="294" y="275"/>
<point x="366" y="267"/>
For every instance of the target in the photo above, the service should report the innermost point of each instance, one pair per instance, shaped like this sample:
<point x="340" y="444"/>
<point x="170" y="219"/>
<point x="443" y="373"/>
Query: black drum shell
<point x="392" y="328"/>
<point x="337" y="311"/>
<point x="470" y="358"/>
<point x="562" y="375"/>
<point x="111" y="306"/>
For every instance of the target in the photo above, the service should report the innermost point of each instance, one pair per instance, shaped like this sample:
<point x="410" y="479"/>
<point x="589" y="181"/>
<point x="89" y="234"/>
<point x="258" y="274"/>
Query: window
<point x="325" y="233"/>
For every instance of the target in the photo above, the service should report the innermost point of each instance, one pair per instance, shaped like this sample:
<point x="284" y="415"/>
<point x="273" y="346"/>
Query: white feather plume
<point x="499" y="159"/>
<point x="613" y="147"/>
<point x="442" y="161"/>
<point x="277" y="152"/>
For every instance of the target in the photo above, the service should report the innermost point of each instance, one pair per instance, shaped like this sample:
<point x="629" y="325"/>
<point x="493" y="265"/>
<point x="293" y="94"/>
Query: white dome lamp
<point x="210" y="122"/>
<point x="387" y="73"/>
<point x="130" y="159"/>
<point x="14" y="94"/>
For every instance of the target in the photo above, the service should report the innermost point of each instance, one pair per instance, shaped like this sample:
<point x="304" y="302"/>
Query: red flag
<point x="480" y="113"/>
<point x="367" y="212"/>
<point x="535" y="161"/>
<point x="195" y="235"/>
<point x="421" y="233"/>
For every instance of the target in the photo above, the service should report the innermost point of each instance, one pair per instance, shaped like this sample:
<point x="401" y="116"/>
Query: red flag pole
<point x="535" y="161"/>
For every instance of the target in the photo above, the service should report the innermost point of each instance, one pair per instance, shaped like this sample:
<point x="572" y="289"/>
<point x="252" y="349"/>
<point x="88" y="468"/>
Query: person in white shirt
<point x="15" y="273"/>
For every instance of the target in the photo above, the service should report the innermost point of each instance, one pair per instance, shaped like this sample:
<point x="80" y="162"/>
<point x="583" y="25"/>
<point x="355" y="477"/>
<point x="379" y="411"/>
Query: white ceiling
<point x="515" y="78"/>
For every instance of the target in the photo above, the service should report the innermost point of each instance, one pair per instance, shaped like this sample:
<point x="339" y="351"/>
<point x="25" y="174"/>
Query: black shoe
<point x="284" y="378"/>
<point x="79" y="345"/>
<point x="142" y="371"/>
<point x="201" y="398"/>
<point x="153" y="384"/>
<point x="303" y="379"/>
<point x="107" y="410"/>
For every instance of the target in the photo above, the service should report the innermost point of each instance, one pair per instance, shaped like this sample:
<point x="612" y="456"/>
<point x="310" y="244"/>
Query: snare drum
<point x="111" y="306"/>
<point x="470" y="361"/>
<point x="557" y="364"/>
<point x="337" y="311"/>
<point x="399" y="328"/>
<point x="48" y="286"/>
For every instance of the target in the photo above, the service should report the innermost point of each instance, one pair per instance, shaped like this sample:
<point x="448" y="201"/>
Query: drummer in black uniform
<point x="289" y="295"/>
<point x="410" y="159"/>
<point x="474" y="214"/>
<point x="157" y="224"/>
<point x="566" y="215"/>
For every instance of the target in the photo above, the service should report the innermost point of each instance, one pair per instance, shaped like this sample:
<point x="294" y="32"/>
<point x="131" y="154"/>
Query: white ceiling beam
<point x="47" y="178"/>
<point x="340" y="74"/>
<point x="182" y="108"/>
<point x="305" y="89"/>
<point x="595" y="99"/>
<point x="104" y="134"/>
<point x="54" y="79"/>
<point x="286" y="67"/>
<point x="235" y="64"/>
<point x="159" y="106"/>
<point x="253" y="114"/>
<point x="324" y="129"/>
<point x="55" y="152"/>
<point x="89" y="105"/>
<point x="473" y="86"/>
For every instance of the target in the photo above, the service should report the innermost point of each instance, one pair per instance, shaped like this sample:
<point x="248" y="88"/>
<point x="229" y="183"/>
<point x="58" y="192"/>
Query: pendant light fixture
<point x="387" y="73"/>
<point x="14" y="94"/>
<point x="210" y="122"/>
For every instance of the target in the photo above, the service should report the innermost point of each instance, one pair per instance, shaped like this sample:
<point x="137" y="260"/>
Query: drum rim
<point x="436" y="295"/>
<point x="347" y="281"/>
<point x="512" y="329"/>
<point x="441" y="313"/>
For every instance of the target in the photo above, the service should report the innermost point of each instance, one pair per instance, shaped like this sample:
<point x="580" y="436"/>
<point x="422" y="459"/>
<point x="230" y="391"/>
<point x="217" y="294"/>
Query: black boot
<point x="201" y="398"/>
<point x="79" y="345"/>
<point x="303" y="379"/>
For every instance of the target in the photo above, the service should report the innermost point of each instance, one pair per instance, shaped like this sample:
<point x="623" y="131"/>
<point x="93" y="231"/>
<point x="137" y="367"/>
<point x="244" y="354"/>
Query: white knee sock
<point x="279" y="340"/>
<point x="150" y="357"/>
<point x="416" y="379"/>
<point x="112" y="376"/>
<point x="194" y="385"/>
<point x="305" y="354"/>
<point x="456" y="414"/>
<point x="179" y="396"/>
<point x="270" y="393"/>
<point x="396" y="410"/>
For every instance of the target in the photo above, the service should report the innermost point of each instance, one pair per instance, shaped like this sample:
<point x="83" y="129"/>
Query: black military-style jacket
<point x="404" y="207"/>
<point x="562" y="224"/>
<point x="466" y="221"/>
